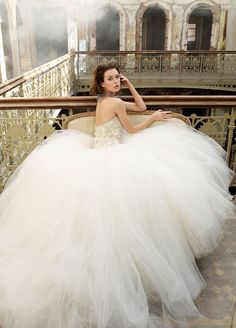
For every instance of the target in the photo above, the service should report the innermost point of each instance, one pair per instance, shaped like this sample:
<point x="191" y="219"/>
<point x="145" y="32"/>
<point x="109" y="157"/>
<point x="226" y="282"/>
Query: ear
<point x="102" y="84"/>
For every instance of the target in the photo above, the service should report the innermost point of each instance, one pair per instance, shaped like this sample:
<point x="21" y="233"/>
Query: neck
<point x="109" y="94"/>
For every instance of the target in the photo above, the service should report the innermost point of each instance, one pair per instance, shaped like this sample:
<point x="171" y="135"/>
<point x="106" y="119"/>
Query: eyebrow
<point x="112" y="75"/>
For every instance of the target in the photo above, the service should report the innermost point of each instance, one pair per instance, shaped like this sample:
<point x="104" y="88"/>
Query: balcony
<point x="26" y="122"/>
<point x="165" y="69"/>
<point x="30" y="103"/>
<point x="56" y="78"/>
<point x="70" y="74"/>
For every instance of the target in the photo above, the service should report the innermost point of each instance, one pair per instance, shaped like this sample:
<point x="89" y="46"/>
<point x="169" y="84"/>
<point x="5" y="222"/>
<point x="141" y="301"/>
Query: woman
<point x="102" y="232"/>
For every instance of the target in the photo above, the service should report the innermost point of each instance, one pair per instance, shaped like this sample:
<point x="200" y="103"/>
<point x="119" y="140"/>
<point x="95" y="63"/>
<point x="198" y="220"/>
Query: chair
<point x="85" y="122"/>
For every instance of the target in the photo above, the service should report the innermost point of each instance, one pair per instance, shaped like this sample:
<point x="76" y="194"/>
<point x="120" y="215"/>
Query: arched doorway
<point x="199" y="29"/>
<point x="108" y="30"/>
<point x="153" y="29"/>
<point x="51" y="40"/>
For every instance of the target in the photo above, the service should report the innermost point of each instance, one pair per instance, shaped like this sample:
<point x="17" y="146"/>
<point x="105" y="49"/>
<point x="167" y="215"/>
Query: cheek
<point x="108" y="84"/>
<point x="104" y="85"/>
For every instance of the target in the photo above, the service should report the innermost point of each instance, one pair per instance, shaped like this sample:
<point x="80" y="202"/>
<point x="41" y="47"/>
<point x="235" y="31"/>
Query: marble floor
<point x="217" y="302"/>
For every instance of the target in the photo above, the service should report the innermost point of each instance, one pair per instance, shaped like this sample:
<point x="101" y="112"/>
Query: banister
<point x="90" y="101"/>
<point x="124" y="52"/>
<point x="25" y="122"/>
<point x="222" y="66"/>
<point x="12" y="83"/>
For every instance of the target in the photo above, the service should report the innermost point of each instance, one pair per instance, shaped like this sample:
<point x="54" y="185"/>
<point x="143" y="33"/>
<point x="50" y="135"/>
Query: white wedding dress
<point x="103" y="232"/>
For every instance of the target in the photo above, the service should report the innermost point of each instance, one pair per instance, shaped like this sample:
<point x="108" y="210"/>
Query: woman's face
<point x="111" y="84"/>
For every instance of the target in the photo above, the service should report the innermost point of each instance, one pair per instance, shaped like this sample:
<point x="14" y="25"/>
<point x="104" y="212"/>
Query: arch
<point x="199" y="29"/>
<point x="153" y="6"/>
<point x="123" y="17"/>
<point x="108" y="29"/>
<point x="153" y="28"/>
<point x="50" y="33"/>
<point x="213" y="11"/>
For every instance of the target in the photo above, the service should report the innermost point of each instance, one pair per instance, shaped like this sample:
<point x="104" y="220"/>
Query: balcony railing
<point x="201" y="69"/>
<point x="56" y="78"/>
<point x="153" y="61"/>
<point x="20" y="133"/>
<point x="68" y="74"/>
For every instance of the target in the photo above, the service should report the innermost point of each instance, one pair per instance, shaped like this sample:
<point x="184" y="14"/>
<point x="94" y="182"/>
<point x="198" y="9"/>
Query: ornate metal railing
<point x="56" y="78"/>
<point x="153" y="61"/>
<point x="71" y="73"/>
<point x="204" y="69"/>
<point x="20" y="133"/>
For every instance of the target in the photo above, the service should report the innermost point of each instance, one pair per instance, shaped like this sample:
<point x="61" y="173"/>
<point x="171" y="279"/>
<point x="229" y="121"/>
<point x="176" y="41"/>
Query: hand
<point x="161" y="115"/>
<point x="124" y="80"/>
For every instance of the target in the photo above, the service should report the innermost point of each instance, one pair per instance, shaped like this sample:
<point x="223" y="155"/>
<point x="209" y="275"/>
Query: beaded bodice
<point x="107" y="134"/>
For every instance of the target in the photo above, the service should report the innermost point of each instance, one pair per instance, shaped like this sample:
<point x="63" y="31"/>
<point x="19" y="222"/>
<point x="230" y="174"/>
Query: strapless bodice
<point x="107" y="133"/>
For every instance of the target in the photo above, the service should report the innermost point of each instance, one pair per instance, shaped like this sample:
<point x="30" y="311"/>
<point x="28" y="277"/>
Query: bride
<point x="103" y="231"/>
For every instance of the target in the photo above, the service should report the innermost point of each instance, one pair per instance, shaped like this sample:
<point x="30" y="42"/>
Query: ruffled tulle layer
<point x="92" y="237"/>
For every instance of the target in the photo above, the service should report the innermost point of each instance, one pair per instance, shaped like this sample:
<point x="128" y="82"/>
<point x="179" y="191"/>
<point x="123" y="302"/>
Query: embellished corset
<point x="107" y="133"/>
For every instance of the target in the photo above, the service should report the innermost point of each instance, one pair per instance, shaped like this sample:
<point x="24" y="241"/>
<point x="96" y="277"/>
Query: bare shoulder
<point x="111" y="103"/>
<point x="107" y="108"/>
<point x="117" y="102"/>
<point x="114" y="100"/>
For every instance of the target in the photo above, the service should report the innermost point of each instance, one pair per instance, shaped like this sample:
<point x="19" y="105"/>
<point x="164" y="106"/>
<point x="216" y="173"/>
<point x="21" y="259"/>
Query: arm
<point x="120" y="110"/>
<point x="139" y="105"/>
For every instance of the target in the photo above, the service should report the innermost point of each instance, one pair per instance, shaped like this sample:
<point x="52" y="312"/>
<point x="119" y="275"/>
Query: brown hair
<point x="98" y="76"/>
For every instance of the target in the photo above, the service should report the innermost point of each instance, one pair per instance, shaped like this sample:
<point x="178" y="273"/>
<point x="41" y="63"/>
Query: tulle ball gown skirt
<point x="93" y="237"/>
